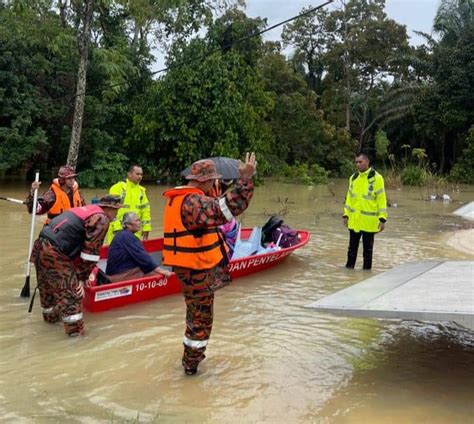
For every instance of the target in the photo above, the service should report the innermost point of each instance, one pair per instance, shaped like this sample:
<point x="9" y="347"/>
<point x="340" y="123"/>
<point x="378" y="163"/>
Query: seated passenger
<point x="127" y="257"/>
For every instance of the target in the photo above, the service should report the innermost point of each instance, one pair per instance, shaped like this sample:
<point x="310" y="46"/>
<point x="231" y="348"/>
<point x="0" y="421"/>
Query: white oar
<point x="25" y="291"/>
<point x="9" y="199"/>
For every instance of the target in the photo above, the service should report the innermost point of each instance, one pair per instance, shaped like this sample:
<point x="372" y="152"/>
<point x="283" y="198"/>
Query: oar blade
<point x="25" y="291"/>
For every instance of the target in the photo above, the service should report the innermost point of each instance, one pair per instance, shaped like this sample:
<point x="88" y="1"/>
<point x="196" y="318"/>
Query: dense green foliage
<point x="414" y="175"/>
<point x="464" y="169"/>
<point x="33" y="71"/>
<point x="352" y="82"/>
<point x="216" y="107"/>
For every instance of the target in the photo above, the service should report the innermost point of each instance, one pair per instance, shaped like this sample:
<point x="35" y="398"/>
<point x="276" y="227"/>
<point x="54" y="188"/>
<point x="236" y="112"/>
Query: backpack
<point x="285" y="236"/>
<point x="272" y="224"/>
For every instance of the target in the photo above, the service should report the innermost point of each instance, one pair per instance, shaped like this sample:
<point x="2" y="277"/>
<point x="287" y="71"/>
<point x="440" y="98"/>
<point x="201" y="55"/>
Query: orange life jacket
<point x="62" y="203"/>
<point x="198" y="249"/>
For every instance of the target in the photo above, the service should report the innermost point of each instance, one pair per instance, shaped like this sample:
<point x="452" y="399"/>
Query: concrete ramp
<point x="466" y="211"/>
<point x="425" y="291"/>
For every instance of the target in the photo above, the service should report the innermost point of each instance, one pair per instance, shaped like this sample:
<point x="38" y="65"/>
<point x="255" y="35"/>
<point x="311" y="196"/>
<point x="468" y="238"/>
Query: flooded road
<point x="269" y="360"/>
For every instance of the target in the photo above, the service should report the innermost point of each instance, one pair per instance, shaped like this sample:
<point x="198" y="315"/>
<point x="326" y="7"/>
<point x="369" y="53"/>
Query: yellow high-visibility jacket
<point x="134" y="199"/>
<point x="366" y="202"/>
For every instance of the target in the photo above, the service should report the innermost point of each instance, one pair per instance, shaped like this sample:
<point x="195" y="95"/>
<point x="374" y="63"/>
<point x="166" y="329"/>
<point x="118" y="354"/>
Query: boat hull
<point x="98" y="298"/>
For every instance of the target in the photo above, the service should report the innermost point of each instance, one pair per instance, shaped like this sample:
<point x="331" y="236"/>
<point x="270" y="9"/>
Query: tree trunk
<point x="62" y="12"/>
<point x="442" y="164"/>
<point x="83" y="42"/>
<point x="348" y="108"/>
<point x="363" y="130"/>
<point x="346" y="72"/>
<point x="136" y="35"/>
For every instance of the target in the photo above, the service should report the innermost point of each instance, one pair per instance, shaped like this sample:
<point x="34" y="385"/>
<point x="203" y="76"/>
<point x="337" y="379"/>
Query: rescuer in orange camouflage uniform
<point x="62" y="195"/>
<point x="194" y="246"/>
<point x="64" y="254"/>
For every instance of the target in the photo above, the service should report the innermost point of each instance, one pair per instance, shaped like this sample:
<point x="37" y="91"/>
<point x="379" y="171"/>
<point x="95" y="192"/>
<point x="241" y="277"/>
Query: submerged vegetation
<point x="344" y="88"/>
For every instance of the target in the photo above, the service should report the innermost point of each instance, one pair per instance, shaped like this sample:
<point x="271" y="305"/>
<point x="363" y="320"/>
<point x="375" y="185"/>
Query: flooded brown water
<point x="269" y="359"/>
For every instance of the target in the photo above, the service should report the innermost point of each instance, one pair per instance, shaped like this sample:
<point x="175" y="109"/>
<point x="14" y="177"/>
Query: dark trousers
<point x="368" y="243"/>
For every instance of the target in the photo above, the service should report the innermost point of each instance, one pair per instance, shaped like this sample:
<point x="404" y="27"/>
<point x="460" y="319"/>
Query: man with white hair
<point x="127" y="257"/>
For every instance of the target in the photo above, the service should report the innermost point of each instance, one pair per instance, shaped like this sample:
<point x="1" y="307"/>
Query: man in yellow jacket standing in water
<point x="134" y="199"/>
<point x="365" y="210"/>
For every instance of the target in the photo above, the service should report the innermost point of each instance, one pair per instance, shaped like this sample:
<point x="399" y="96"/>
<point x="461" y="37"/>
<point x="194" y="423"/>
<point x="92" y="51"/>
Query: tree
<point x="84" y="11"/>
<point x="452" y="18"/>
<point x="177" y="16"/>
<point x="214" y="105"/>
<point x="309" y="36"/>
<point x="301" y="133"/>
<point x="444" y="111"/>
<point x="35" y="65"/>
<point x="362" y="59"/>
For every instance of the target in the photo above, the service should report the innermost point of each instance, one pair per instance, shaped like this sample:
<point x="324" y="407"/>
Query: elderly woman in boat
<point x="128" y="259"/>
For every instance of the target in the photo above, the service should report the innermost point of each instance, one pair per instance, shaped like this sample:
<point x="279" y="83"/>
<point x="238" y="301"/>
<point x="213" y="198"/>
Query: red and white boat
<point x="98" y="298"/>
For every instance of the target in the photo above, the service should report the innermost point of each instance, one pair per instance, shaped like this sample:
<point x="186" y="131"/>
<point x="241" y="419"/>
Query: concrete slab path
<point x="425" y="291"/>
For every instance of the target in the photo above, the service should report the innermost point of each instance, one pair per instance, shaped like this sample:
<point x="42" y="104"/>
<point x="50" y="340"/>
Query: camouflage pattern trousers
<point x="60" y="291"/>
<point x="197" y="288"/>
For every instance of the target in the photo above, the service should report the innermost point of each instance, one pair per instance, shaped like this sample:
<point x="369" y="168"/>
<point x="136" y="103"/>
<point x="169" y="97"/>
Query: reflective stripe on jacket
<point x="134" y="199"/>
<point x="366" y="201"/>
<point x="199" y="249"/>
<point x="62" y="203"/>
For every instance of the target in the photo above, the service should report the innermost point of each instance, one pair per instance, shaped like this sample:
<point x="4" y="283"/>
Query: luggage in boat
<point x="279" y="233"/>
<point x="285" y="236"/>
<point x="272" y="224"/>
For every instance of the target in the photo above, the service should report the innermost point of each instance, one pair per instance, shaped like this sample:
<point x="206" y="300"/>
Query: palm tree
<point x="452" y="18"/>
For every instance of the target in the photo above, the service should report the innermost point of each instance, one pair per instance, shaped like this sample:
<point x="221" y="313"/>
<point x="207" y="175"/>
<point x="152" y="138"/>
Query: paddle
<point x="9" y="199"/>
<point x="25" y="291"/>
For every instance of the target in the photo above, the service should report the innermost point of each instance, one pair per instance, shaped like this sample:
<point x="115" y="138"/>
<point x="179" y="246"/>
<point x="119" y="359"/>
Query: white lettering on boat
<point x="150" y="285"/>
<point x="113" y="293"/>
<point x="257" y="261"/>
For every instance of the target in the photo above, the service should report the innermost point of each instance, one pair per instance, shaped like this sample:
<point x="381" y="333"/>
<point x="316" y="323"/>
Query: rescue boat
<point x="101" y="297"/>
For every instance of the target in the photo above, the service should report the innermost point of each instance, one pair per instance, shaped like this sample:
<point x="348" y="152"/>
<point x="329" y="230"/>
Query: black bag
<point x="271" y="225"/>
<point x="102" y="278"/>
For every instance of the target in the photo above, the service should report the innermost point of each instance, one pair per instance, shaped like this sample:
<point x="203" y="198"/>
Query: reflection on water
<point x="413" y="372"/>
<point x="269" y="359"/>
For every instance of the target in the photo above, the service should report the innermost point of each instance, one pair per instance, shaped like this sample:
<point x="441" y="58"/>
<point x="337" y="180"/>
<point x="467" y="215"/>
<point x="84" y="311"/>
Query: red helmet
<point x="66" y="171"/>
